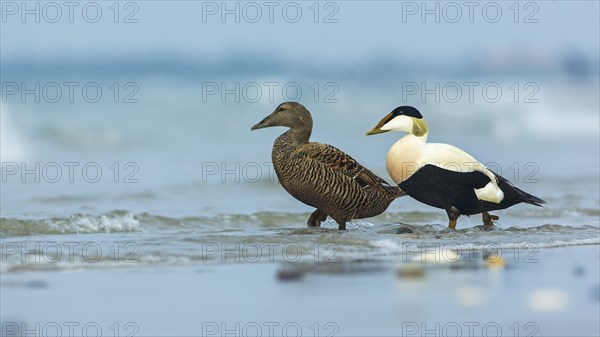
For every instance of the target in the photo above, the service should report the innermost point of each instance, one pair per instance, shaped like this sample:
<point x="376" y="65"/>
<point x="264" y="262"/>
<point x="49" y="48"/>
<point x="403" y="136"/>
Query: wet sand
<point x="555" y="292"/>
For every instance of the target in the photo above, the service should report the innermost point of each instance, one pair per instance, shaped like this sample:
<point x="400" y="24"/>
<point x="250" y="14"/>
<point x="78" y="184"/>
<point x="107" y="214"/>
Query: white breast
<point x="405" y="157"/>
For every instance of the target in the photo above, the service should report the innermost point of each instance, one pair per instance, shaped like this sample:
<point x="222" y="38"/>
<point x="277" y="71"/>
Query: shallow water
<point x="187" y="212"/>
<point x="124" y="239"/>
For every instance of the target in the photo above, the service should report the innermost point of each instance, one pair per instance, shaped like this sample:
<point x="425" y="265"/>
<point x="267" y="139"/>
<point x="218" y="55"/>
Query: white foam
<point x="95" y="224"/>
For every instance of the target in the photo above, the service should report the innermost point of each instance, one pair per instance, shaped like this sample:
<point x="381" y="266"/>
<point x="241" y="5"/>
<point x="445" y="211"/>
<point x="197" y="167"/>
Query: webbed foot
<point x="452" y="225"/>
<point x="487" y="218"/>
<point x="316" y="218"/>
<point x="453" y="214"/>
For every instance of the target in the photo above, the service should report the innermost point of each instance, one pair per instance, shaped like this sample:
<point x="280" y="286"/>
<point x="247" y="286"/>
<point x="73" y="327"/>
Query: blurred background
<point x="170" y="87"/>
<point x="129" y="122"/>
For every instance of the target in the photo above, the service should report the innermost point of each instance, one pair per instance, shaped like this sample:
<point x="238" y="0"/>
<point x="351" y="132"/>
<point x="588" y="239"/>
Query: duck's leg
<point x="341" y="225"/>
<point x="316" y="218"/>
<point x="453" y="214"/>
<point x="487" y="220"/>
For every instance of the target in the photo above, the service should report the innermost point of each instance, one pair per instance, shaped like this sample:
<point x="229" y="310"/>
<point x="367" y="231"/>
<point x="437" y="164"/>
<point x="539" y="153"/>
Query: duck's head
<point x="403" y="118"/>
<point x="290" y="114"/>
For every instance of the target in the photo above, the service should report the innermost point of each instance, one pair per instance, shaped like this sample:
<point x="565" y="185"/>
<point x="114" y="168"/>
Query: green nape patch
<point x="419" y="127"/>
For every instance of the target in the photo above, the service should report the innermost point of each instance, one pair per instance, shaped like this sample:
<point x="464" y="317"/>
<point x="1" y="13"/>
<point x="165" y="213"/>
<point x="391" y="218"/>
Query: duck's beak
<point x="377" y="128"/>
<point x="260" y="125"/>
<point x="375" y="131"/>
<point x="256" y="127"/>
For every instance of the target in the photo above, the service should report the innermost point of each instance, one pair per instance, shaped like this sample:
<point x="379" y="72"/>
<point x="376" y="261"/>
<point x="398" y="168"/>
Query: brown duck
<point x="321" y="175"/>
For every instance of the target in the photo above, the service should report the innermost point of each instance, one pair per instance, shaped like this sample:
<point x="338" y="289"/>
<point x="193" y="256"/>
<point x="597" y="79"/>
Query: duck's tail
<point x="529" y="198"/>
<point x="518" y="195"/>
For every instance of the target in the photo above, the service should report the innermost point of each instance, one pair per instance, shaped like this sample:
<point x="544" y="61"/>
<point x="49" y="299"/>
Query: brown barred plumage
<point x="321" y="175"/>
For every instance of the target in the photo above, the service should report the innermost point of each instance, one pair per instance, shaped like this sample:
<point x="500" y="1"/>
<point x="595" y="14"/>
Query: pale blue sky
<point x="365" y="29"/>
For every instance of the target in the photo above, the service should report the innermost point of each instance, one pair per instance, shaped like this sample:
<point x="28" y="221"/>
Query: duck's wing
<point x="341" y="162"/>
<point x="452" y="158"/>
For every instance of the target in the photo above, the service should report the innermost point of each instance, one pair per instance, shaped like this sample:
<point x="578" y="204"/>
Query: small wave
<point x="424" y="238"/>
<point x="263" y="237"/>
<point x="554" y="213"/>
<point x="116" y="221"/>
<point x="123" y="221"/>
<point x="421" y="223"/>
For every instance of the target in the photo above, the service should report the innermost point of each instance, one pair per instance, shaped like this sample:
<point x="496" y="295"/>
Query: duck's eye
<point x="280" y="109"/>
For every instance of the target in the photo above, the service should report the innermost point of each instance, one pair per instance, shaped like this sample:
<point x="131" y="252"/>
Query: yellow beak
<point x="377" y="128"/>
<point x="375" y="131"/>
